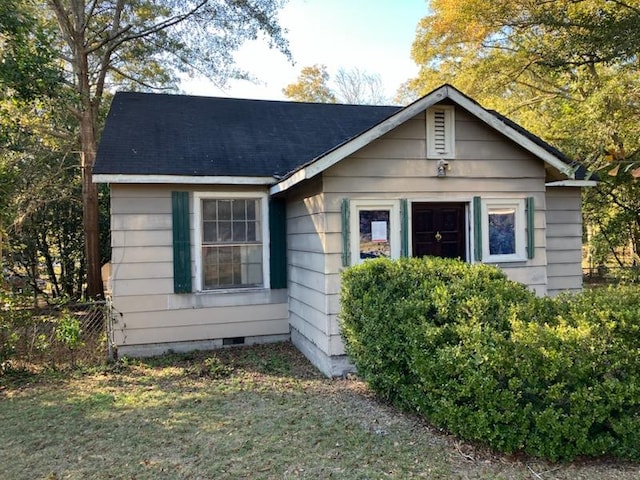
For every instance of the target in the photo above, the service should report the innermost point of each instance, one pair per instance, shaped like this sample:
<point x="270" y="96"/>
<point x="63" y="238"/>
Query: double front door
<point x="438" y="229"/>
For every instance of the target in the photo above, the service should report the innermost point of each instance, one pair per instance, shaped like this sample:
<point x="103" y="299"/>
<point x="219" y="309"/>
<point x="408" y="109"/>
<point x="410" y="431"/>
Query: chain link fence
<point x="52" y="336"/>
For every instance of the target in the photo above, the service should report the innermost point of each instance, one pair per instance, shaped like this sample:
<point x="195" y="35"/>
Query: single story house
<point x="232" y="219"/>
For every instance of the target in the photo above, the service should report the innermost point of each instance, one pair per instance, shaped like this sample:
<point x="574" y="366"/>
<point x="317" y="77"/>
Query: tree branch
<point x="137" y="80"/>
<point x="146" y="32"/>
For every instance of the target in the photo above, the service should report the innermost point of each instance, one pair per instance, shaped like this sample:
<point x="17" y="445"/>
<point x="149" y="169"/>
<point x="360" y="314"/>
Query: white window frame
<point x="197" y="227"/>
<point x="354" y="225"/>
<point x="449" y="151"/>
<point x="520" y="226"/>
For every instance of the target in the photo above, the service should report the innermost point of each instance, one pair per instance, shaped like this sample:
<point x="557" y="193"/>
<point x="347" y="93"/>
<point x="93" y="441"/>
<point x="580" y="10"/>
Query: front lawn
<point x="261" y="413"/>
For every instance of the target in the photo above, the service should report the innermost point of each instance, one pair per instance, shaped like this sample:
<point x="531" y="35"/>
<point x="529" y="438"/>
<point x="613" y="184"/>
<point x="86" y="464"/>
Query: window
<point x="375" y="230"/>
<point x="231" y="246"/>
<point x="441" y="132"/>
<point x="503" y="230"/>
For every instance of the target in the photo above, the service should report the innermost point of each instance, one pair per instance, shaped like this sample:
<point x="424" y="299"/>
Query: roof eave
<point x="332" y="157"/>
<point x="182" y="179"/>
<point x="572" y="183"/>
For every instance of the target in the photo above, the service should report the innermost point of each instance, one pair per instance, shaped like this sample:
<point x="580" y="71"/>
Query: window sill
<point x="237" y="297"/>
<point x="500" y="261"/>
<point x="223" y="291"/>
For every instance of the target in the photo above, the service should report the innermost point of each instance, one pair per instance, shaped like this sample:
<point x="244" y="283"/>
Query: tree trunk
<point x="90" y="214"/>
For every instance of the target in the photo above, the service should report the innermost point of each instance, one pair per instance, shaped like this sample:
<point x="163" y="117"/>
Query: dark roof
<point x="159" y="134"/>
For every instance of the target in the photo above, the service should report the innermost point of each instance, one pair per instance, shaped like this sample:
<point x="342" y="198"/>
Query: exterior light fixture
<point x="442" y="168"/>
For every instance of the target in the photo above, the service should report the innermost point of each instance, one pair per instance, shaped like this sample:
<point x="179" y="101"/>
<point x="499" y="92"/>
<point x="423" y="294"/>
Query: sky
<point x="372" y="35"/>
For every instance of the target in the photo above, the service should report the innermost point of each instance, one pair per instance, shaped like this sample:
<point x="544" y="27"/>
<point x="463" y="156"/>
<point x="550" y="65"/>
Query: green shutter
<point x="346" y="254"/>
<point x="404" y="228"/>
<point x="278" y="242"/>
<point x="531" y="243"/>
<point x="477" y="229"/>
<point x="181" y="243"/>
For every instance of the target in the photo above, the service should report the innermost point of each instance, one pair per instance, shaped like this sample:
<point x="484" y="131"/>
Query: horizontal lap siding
<point x="564" y="239"/>
<point x="142" y="281"/>
<point x="395" y="167"/>
<point x="310" y="267"/>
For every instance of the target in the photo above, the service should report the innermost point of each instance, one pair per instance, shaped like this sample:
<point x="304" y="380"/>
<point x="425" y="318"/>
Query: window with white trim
<point x="375" y="230"/>
<point x="441" y="132"/>
<point x="231" y="241"/>
<point x="503" y="230"/>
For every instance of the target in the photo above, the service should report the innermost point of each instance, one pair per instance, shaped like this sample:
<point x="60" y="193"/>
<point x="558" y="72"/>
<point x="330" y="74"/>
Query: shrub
<point x="484" y="358"/>
<point x="13" y="318"/>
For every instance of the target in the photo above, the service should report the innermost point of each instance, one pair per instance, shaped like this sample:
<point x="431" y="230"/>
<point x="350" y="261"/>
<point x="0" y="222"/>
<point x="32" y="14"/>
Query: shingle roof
<point x="160" y="134"/>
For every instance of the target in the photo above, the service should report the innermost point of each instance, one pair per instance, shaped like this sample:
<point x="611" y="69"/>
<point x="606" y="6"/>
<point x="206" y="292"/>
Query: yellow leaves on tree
<point x="311" y="86"/>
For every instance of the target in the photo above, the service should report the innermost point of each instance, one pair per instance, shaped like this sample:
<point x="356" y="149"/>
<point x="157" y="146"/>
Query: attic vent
<point x="440" y="132"/>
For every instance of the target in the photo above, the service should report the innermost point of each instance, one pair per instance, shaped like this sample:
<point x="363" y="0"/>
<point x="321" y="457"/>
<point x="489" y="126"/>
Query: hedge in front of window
<point x="484" y="358"/>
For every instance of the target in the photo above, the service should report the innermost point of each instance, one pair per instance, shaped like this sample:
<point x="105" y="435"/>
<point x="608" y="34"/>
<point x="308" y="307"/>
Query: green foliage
<point x="36" y="338"/>
<point x="59" y="60"/>
<point x="13" y="318"/>
<point x="484" y="358"/>
<point x="69" y="331"/>
<point x="27" y="59"/>
<point x="213" y="367"/>
<point x="565" y="70"/>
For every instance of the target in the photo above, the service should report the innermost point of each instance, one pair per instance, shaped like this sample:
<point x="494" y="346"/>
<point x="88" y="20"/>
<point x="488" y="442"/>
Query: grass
<point x="261" y="413"/>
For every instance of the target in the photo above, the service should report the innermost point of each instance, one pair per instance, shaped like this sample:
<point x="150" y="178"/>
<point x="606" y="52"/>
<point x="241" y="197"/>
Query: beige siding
<point x="142" y="281"/>
<point x="564" y="239"/>
<point x="395" y="167"/>
<point x="309" y="265"/>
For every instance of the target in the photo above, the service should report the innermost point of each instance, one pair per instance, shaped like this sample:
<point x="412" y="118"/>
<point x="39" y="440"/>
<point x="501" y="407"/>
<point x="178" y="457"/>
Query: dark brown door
<point x="438" y="230"/>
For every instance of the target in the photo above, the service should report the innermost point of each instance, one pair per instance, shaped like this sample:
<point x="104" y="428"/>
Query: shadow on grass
<point x="260" y="412"/>
<point x="178" y="417"/>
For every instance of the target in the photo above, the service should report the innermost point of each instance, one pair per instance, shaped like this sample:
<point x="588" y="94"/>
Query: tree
<point x="28" y="65"/>
<point x="360" y="87"/>
<point x="353" y="86"/>
<point x="566" y="70"/>
<point x="312" y="86"/>
<point x="142" y="44"/>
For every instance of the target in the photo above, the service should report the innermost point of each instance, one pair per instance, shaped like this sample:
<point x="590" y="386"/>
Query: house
<point x="232" y="219"/>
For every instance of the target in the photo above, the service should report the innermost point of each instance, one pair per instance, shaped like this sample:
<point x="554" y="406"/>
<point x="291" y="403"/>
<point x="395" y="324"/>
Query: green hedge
<point x="489" y="361"/>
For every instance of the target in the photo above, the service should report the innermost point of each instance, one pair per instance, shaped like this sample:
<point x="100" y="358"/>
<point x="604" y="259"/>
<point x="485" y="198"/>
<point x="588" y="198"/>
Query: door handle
<point x="438" y="237"/>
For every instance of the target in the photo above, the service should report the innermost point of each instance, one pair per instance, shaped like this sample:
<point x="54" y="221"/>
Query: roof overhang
<point x="332" y="157"/>
<point x="182" y="179"/>
<point x="572" y="183"/>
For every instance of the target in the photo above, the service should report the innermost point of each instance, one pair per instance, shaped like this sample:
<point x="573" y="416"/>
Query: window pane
<point x="502" y="232"/>
<point x="239" y="232"/>
<point x="237" y="266"/>
<point x="210" y="267"/>
<point x="251" y="209"/>
<point x="374" y="233"/>
<point x="225" y="265"/>
<point x="239" y="209"/>
<point x="258" y="232"/>
<point x="254" y="274"/>
<point x="225" y="255"/>
<point x="209" y="209"/>
<point x="254" y="254"/>
<point x="251" y="231"/>
<point x="224" y="209"/>
<point x="209" y="232"/>
<point x="224" y="232"/>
